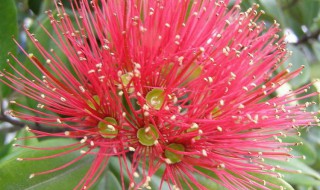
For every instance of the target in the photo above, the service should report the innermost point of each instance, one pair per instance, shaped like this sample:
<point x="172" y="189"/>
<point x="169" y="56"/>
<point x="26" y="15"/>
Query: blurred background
<point x="300" y="23"/>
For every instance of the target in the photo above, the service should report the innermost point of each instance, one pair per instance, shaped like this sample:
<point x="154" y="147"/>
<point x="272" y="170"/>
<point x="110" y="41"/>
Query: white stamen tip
<point x="204" y="152"/>
<point x="136" y="175"/>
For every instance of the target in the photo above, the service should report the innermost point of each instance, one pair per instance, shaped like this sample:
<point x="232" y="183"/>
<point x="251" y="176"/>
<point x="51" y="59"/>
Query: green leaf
<point x="270" y="181"/>
<point x="305" y="176"/>
<point x="156" y="182"/>
<point x="2" y="137"/>
<point x="303" y="13"/>
<point x="15" y="174"/>
<point x="114" y="167"/>
<point x="305" y="149"/>
<point x="275" y="181"/>
<point x="8" y="28"/>
<point x="35" y="5"/>
<point x="297" y="59"/>
<point x="109" y="181"/>
<point x="25" y="134"/>
<point x="272" y="8"/>
<point x="4" y="148"/>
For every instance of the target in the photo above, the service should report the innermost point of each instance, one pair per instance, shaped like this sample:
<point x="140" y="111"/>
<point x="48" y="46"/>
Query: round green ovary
<point x="107" y="129"/>
<point x="148" y="135"/>
<point x="155" y="98"/>
<point x="173" y="156"/>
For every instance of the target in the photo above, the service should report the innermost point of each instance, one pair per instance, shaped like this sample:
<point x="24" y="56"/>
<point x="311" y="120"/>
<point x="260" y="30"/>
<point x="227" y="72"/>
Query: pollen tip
<point x="132" y="149"/>
<point x="30" y="55"/>
<point x="168" y="161"/>
<point x="28" y="128"/>
<point x="19" y="159"/>
<point x="136" y="174"/>
<point x="31" y="176"/>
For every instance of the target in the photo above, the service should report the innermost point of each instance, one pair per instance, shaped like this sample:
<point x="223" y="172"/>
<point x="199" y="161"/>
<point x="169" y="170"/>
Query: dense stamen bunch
<point x="177" y="85"/>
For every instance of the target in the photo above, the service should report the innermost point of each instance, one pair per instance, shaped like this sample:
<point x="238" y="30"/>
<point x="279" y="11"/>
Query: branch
<point x="17" y="125"/>
<point x="307" y="37"/>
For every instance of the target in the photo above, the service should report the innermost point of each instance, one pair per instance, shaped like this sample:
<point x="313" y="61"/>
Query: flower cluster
<point x="183" y="86"/>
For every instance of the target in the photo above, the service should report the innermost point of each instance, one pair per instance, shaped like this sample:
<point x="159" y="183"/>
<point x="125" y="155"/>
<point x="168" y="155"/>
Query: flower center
<point x="107" y="129"/>
<point x="148" y="136"/>
<point x="155" y="98"/>
<point x="174" y="157"/>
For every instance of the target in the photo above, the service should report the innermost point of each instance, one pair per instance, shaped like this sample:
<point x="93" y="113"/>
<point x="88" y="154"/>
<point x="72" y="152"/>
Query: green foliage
<point x="67" y="178"/>
<point x="9" y="28"/>
<point x="300" y="17"/>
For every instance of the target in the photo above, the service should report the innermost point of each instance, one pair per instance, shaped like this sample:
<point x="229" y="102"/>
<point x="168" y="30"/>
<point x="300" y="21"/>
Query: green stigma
<point x="148" y="136"/>
<point x="173" y="156"/>
<point x="108" y="130"/>
<point x="155" y="98"/>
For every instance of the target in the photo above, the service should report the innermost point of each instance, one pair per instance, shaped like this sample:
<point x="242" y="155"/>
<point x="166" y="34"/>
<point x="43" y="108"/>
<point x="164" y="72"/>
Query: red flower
<point x="182" y="86"/>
